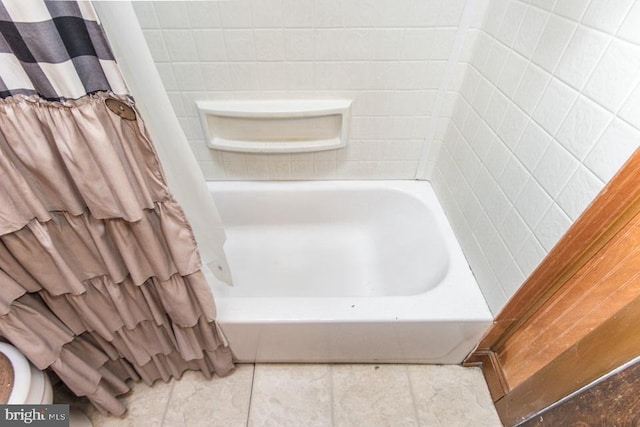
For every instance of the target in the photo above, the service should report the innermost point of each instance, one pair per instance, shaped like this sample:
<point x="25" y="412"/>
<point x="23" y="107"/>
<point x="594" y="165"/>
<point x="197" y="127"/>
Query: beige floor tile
<point x="291" y="395"/>
<point x="145" y="407"/>
<point x="198" y="401"/>
<point x="372" y="395"/>
<point x="451" y="396"/>
<point x="308" y="395"/>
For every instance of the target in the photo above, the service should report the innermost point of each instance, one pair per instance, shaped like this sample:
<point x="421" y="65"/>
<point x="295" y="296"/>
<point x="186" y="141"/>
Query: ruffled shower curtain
<point x="99" y="272"/>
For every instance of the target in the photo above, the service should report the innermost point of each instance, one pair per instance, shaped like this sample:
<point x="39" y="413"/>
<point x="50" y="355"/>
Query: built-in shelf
<point x="275" y="126"/>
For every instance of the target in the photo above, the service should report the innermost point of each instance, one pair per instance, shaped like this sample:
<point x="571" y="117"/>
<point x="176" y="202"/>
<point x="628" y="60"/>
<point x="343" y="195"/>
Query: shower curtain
<point x="100" y="276"/>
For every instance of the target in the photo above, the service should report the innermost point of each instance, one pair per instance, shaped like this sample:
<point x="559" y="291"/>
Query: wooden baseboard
<point x="492" y="371"/>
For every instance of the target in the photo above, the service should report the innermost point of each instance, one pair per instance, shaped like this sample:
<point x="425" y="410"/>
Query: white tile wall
<point x="555" y="87"/>
<point x="388" y="56"/>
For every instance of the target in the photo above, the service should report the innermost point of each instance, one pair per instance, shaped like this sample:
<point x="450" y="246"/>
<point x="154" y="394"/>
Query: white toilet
<point x="30" y="385"/>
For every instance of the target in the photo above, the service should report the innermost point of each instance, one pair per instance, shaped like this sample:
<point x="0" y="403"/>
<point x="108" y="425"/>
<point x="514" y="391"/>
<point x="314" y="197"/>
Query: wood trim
<point x="618" y="339"/>
<point x="618" y="202"/>
<point x="602" y="287"/>
<point x="492" y="371"/>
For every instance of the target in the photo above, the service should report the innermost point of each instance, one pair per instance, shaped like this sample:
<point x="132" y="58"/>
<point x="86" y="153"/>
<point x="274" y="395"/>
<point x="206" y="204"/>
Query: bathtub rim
<point x="458" y="298"/>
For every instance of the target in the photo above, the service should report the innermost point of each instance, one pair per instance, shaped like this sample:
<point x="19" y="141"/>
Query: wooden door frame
<point x="600" y="227"/>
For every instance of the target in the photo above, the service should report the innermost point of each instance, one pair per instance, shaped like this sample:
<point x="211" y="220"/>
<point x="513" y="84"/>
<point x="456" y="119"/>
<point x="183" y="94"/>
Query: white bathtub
<point x="344" y="271"/>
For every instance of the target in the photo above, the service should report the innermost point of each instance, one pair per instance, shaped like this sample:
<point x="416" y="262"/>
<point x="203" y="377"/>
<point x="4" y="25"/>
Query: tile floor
<point x="305" y="395"/>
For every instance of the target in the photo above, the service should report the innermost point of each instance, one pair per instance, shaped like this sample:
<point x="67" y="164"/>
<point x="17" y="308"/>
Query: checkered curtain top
<point x="54" y="49"/>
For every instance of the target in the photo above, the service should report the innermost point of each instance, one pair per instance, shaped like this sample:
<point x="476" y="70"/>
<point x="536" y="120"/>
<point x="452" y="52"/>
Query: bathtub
<point x="344" y="271"/>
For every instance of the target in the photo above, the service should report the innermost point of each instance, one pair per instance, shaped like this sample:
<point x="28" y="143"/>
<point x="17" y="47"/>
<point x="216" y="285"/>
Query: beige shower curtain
<point x="99" y="271"/>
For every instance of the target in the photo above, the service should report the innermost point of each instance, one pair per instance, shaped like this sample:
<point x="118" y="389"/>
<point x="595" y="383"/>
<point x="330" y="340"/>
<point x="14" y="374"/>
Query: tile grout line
<point x="253" y="377"/>
<point x="412" y="393"/>
<point x="166" y="408"/>
<point x="423" y="170"/>
<point x="332" y="395"/>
